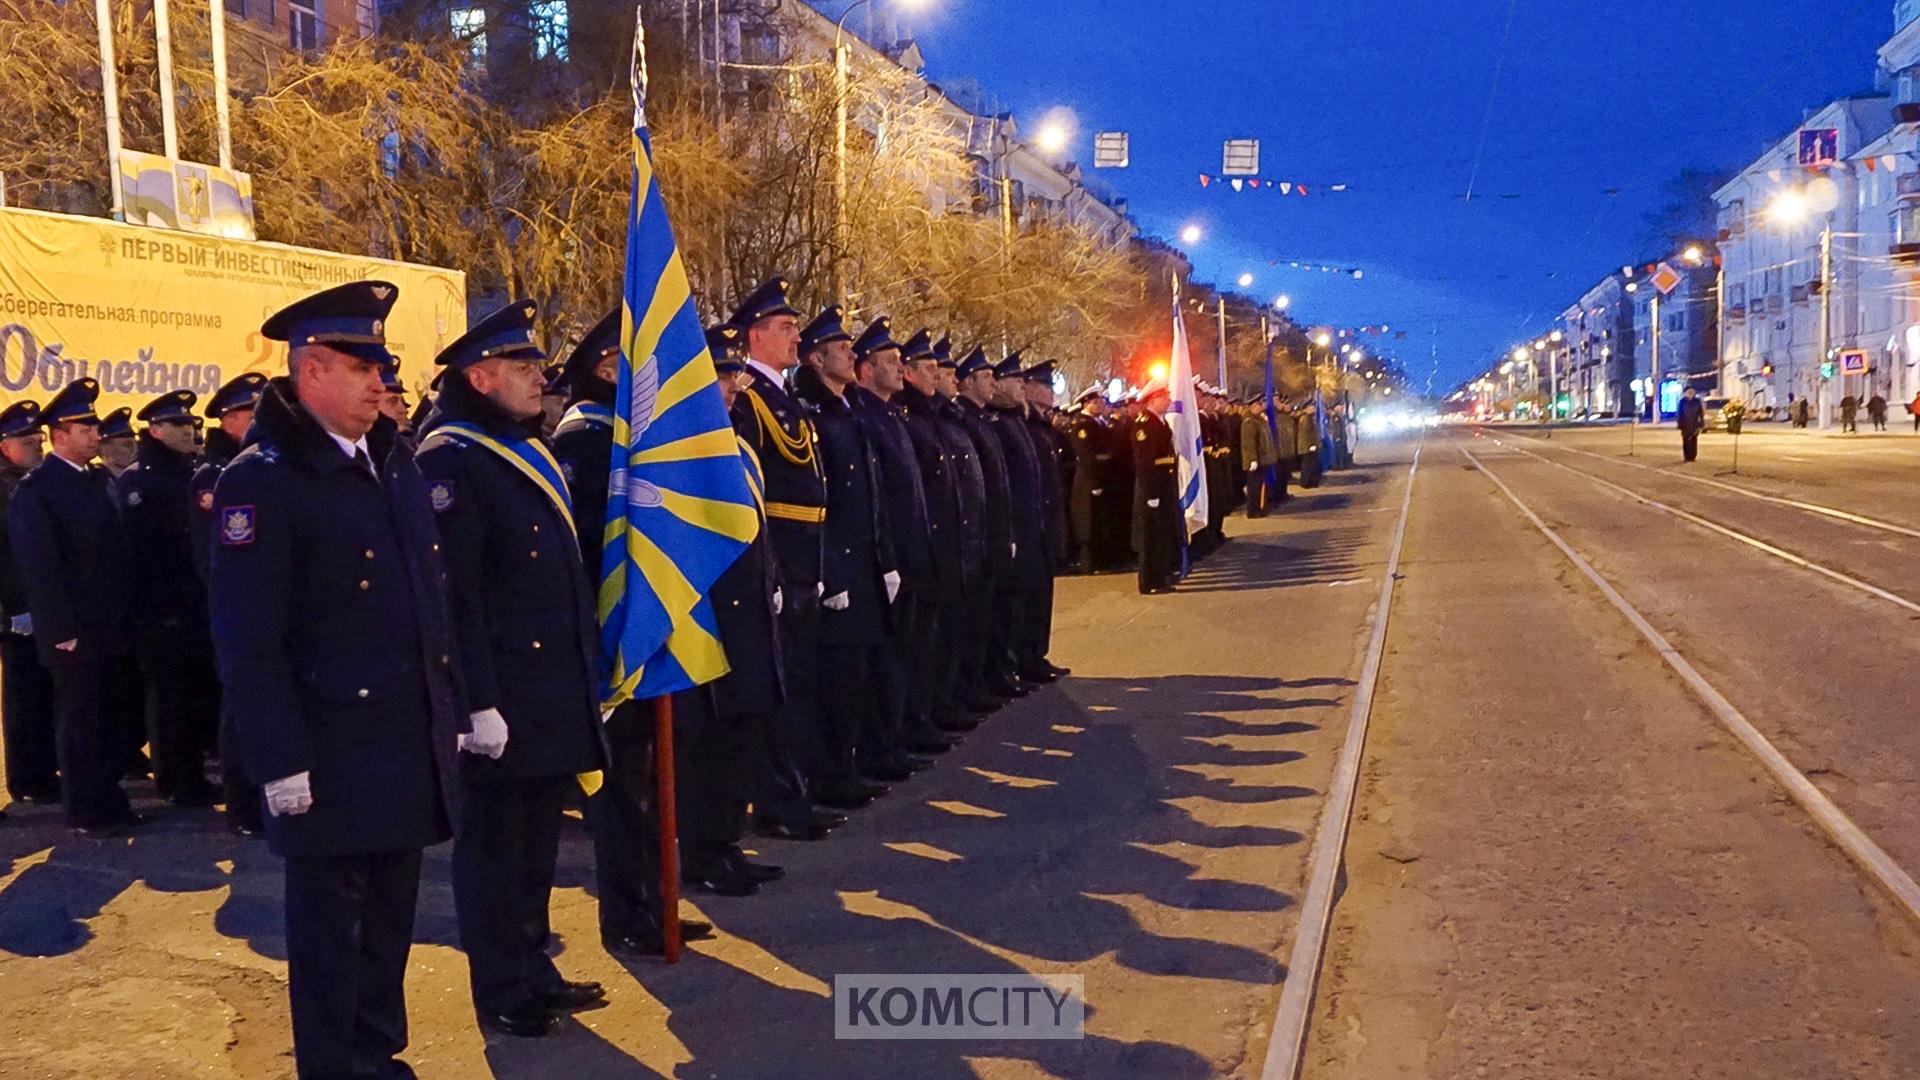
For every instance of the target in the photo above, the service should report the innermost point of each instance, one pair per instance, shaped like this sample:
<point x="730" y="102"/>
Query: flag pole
<point x="222" y="120"/>
<point x="669" y="827"/>
<point x="110" y="87"/>
<point x="163" y="42"/>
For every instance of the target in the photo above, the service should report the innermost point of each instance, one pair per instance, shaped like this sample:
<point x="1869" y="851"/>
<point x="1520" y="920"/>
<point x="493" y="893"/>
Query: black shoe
<point x="915" y="762"/>
<point x="744" y="867"/>
<point x="926" y="746"/>
<point x="569" y="996"/>
<point x="246" y="830"/>
<point x="1037" y="674"/>
<point x="650" y="946"/>
<point x="1058" y="671"/>
<point x="780" y="830"/>
<point x="719" y="881"/>
<point x="827" y="819"/>
<point x="983" y="705"/>
<point x="695" y="930"/>
<point x="107" y="830"/>
<point x="527" y="1020"/>
<point x="886" y="770"/>
<point x="39" y="796"/>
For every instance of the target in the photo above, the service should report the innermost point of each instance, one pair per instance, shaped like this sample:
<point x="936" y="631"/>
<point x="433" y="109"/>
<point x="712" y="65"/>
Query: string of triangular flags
<point x="1260" y="183"/>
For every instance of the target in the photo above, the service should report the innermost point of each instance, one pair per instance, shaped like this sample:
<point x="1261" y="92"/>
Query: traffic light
<point x="1767" y="370"/>
<point x="1826" y="369"/>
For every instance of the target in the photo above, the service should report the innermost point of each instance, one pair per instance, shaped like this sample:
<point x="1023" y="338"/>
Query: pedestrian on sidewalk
<point x="1849" y="414"/>
<point x="1692" y="417"/>
<point x="1877" y="412"/>
<point x="1799" y="410"/>
<point x="1914" y="408"/>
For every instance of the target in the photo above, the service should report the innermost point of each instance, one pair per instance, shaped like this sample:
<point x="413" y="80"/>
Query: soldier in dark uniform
<point x="26" y="689"/>
<point x="393" y="404"/>
<point x="168" y="607"/>
<point x="529" y="649"/>
<point x="1029" y="587"/>
<point x="66" y="537"/>
<point x="990" y="668"/>
<point x="908" y="663"/>
<point x="231" y="409"/>
<point x="978" y="551"/>
<point x="776" y="426"/>
<point x="1082" y="427"/>
<point x="330" y="620"/>
<point x="857" y="576"/>
<point x="1156" y="493"/>
<point x="1285" y="439"/>
<point x="624" y="812"/>
<point x="720" y="733"/>
<point x="1308" y="444"/>
<point x="1049" y="446"/>
<point x="954" y="492"/>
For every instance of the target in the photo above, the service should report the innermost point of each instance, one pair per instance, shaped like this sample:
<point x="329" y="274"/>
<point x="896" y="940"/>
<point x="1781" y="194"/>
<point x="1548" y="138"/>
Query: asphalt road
<point x="1563" y="865"/>
<point x="1143" y="825"/>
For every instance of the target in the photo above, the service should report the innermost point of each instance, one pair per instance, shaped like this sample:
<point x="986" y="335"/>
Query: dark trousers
<point x="1257" y="487"/>
<point x="504" y="855"/>
<point x="26" y="719"/>
<point x="1036" y="625"/>
<point x="949" y="653"/>
<point x="1007" y="627"/>
<point x="1159" y="544"/>
<point x="181" y="707"/>
<point x="626" y="828"/>
<point x="1282" y="473"/>
<point x="800" y="743"/>
<point x="1310" y="472"/>
<point x="980" y="670"/>
<point x="349" y="928"/>
<point x="90" y="711"/>
<point x="711" y="760"/>
<point x="1689" y="443"/>
<point x="922" y="664"/>
<point x="852" y="703"/>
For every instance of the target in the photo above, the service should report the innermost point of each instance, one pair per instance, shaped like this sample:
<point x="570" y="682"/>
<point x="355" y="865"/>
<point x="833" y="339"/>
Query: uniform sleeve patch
<point x="1141" y="435"/>
<point x="440" y="493"/>
<point x="236" y="526"/>
<point x="133" y="497"/>
<point x="206" y="499"/>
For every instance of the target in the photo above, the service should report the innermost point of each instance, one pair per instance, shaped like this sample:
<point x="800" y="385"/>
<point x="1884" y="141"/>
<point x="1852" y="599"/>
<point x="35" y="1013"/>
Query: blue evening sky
<point x="1390" y="97"/>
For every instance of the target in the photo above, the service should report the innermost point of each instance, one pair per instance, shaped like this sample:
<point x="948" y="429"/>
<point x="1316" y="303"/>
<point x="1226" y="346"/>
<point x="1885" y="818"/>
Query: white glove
<point x="289" y="794"/>
<point x="22" y="624"/>
<point x="1099" y="491"/>
<point x="1153" y="504"/>
<point x="489" y="735"/>
<point x="1013" y="550"/>
<point x="819" y="589"/>
<point x="892" y="579"/>
<point x="779" y="601"/>
<point x="837" y="602"/>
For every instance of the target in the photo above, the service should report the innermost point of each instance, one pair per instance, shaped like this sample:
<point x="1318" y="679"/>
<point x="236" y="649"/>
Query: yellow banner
<point x="145" y="311"/>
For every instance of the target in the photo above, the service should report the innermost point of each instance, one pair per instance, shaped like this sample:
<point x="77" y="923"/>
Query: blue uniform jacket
<point x="67" y="539"/>
<point x="330" y="618"/>
<point x="156" y="504"/>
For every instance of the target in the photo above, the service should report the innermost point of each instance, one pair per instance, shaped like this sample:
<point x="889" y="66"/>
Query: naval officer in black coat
<point x="336" y="650"/>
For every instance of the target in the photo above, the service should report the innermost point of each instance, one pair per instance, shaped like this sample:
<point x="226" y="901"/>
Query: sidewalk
<point x="1143" y="824"/>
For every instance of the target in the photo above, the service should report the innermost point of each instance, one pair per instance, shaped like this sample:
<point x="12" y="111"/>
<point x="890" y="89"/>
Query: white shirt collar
<point x="348" y="447"/>
<point x="69" y="464"/>
<point x="767" y="373"/>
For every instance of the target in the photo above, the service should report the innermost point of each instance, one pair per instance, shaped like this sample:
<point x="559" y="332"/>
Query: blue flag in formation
<point x="680" y="509"/>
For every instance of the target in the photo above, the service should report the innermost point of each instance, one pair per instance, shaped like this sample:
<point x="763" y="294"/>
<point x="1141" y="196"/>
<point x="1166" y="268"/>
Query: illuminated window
<point x="303" y="25"/>
<point x="549" y="29"/>
<point x="470" y="25"/>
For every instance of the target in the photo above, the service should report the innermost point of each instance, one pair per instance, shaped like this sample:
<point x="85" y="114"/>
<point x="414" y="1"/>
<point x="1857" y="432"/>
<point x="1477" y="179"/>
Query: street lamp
<point x="840" y="91"/>
<point x="1792" y="208"/>
<point x="1246" y="280"/>
<point x="1282" y="303"/>
<point x="1693" y="255"/>
<point x="1190" y="235"/>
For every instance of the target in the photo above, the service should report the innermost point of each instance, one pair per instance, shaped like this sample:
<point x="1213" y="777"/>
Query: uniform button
<point x="369" y="553"/>
<point x="536" y="644"/>
<point x="445" y="659"/>
<point x="536" y="528"/>
<point x="365" y="585"/>
<point x="533" y="554"/>
<point x="436" y="547"/>
<point x="363" y="692"/>
<point x="733" y="603"/>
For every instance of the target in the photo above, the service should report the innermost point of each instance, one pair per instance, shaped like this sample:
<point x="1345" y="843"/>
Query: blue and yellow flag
<point x="679" y="508"/>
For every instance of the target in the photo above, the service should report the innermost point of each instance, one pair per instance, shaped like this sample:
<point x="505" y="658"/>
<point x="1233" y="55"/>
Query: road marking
<point x="1735" y="534"/>
<point x="1288" y="1041"/>
<point x="1869" y="856"/>
<point x="1811" y="508"/>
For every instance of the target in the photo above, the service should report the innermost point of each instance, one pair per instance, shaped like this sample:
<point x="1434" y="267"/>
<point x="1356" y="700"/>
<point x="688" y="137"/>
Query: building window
<point x="549" y="29"/>
<point x="1906" y="224"/>
<point x="303" y="25"/>
<point x="237" y="8"/>
<point x="470" y="25"/>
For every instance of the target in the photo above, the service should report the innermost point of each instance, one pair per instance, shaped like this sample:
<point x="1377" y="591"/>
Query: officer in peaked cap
<point x="1156" y="491"/>
<point x="118" y="447"/>
<point x="66" y="536"/>
<point x="26" y="690"/>
<point x="721" y="731"/>
<point x="779" y="429"/>
<point x="1029" y="583"/>
<point x="168" y="615"/>
<point x="1056" y="479"/>
<point x="991" y="669"/>
<point x="583" y="443"/>
<point x="231" y="409"/>
<point x="856" y="561"/>
<point x="529" y="650"/>
<point x="351" y="724"/>
<point x="393" y="403"/>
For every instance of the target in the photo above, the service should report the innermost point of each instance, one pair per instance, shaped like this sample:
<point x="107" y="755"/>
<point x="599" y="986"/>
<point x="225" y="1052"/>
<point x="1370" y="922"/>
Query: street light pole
<point x="840" y="91"/>
<point x="1826" y="323"/>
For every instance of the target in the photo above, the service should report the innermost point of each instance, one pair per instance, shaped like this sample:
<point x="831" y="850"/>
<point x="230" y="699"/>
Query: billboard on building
<point x="145" y="311"/>
<point x="1819" y="146"/>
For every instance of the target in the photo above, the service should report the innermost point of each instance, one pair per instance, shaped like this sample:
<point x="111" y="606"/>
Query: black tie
<point x="361" y="459"/>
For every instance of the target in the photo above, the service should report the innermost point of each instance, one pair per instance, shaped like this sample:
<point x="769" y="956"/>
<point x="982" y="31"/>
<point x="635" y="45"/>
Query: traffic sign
<point x="1665" y="278"/>
<point x="1855" y="362"/>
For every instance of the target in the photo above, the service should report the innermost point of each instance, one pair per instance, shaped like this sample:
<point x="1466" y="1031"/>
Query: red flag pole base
<point x="669" y="827"/>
